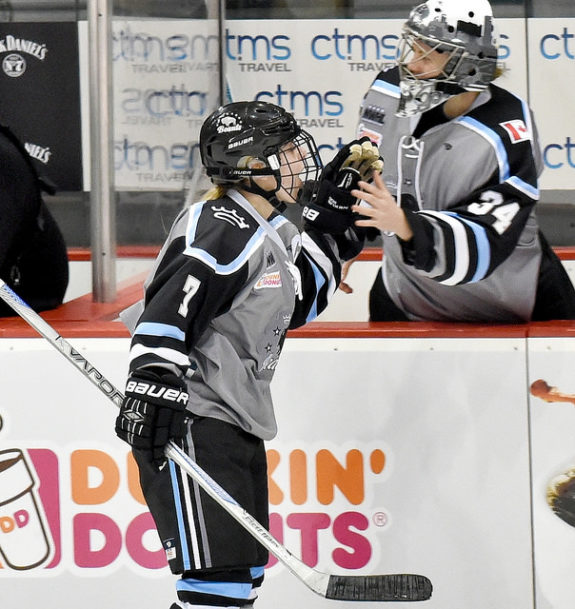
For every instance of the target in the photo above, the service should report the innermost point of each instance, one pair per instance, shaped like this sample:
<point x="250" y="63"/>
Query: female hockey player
<point x="456" y="201"/>
<point x="232" y="277"/>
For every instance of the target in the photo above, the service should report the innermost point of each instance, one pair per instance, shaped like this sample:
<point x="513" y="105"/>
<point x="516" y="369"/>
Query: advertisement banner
<point x="552" y="431"/>
<point x="40" y="102"/>
<point x="321" y="69"/>
<point x="166" y="80"/>
<point x="552" y="69"/>
<point x="393" y="455"/>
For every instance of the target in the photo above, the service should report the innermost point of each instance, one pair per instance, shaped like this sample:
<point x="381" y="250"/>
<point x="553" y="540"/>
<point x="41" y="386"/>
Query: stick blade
<point x="379" y="588"/>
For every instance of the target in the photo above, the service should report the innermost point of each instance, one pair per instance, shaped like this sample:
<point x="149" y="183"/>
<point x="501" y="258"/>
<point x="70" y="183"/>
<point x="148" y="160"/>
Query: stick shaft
<point x="350" y="588"/>
<point x="173" y="452"/>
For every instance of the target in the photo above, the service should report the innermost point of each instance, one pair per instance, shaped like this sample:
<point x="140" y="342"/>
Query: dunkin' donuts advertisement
<point x="369" y="474"/>
<point x="27" y="542"/>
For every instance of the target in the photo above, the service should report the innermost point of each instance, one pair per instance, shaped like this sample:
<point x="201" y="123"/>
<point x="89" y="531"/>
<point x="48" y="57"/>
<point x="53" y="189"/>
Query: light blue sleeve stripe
<point x="319" y="282"/>
<point x="524" y="187"/>
<point x="278" y="221"/>
<point x="483" y="247"/>
<point x="157" y="329"/>
<point x="383" y="85"/>
<point x="195" y="212"/>
<point x="179" y="515"/>
<point x="229" y="589"/>
<point x="494" y="139"/>
<point x="257" y="572"/>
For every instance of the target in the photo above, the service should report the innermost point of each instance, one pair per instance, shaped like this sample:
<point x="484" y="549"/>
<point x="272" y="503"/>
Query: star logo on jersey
<point x="517" y="131"/>
<point x="230" y="216"/>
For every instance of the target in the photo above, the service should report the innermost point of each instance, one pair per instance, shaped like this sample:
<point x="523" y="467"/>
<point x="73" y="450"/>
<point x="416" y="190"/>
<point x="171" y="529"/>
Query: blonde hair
<point x="500" y="70"/>
<point x="216" y="192"/>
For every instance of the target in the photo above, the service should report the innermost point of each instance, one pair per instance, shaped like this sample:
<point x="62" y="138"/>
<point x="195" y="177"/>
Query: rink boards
<point x="402" y="448"/>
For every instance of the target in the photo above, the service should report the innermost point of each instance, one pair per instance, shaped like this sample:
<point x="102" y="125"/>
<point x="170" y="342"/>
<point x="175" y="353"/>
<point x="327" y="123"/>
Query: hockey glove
<point x="330" y="209"/>
<point x="152" y="413"/>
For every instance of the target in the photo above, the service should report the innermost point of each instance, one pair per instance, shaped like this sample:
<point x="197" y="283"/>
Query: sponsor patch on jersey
<point x="374" y="113"/>
<point x="269" y="280"/>
<point x="517" y="131"/>
<point x="374" y="136"/>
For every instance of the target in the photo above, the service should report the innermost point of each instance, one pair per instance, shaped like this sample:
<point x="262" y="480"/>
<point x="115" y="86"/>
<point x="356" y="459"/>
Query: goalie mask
<point x="246" y="140"/>
<point x="461" y="31"/>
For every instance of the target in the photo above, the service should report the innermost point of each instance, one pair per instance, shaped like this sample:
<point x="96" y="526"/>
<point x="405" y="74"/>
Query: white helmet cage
<point x="461" y="28"/>
<point x="299" y="162"/>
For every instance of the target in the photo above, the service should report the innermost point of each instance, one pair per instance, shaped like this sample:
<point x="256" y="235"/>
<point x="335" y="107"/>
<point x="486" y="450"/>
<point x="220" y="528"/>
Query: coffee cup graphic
<point x="24" y="543"/>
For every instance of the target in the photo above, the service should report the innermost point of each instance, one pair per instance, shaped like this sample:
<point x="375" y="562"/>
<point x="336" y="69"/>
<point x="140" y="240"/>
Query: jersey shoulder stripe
<point x="492" y="137"/>
<point x="505" y="122"/>
<point x="387" y="82"/>
<point x="222" y="235"/>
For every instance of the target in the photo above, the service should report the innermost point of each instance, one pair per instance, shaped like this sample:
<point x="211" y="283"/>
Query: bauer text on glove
<point x="153" y="412"/>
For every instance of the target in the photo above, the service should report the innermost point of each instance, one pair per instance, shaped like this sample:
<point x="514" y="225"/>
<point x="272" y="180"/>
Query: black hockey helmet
<point x="240" y="132"/>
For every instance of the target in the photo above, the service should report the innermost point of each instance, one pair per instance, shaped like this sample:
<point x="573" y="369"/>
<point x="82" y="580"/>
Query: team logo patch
<point x="229" y="123"/>
<point x="517" y="131"/>
<point x="230" y="216"/>
<point x="269" y="280"/>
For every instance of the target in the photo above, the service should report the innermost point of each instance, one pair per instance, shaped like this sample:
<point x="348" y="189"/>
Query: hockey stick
<point x="394" y="587"/>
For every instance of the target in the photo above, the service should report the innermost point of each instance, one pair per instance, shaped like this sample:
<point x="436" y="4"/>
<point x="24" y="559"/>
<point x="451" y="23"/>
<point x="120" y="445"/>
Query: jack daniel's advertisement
<point x="40" y="97"/>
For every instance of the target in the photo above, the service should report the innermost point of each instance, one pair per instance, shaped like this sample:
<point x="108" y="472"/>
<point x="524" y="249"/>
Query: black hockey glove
<point x="330" y="209"/>
<point x="153" y="412"/>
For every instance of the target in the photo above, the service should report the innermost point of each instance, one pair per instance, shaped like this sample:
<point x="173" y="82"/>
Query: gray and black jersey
<point x="226" y="287"/>
<point x="468" y="186"/>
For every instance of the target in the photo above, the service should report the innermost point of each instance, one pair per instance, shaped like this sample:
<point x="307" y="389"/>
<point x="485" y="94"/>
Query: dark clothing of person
<point x="33" y="256"/>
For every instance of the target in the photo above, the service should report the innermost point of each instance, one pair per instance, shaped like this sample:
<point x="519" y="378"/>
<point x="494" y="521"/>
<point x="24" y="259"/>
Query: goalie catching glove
<point x="153" y="412"/>
<point x="330" y="209"/>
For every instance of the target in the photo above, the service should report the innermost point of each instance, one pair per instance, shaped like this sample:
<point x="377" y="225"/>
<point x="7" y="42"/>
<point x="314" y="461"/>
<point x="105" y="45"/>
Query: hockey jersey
<point x="226" y="287"/>
<point x="468" y="187"/>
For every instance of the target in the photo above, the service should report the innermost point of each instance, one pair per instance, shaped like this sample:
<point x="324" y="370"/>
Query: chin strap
<point x="268" y="195"/>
